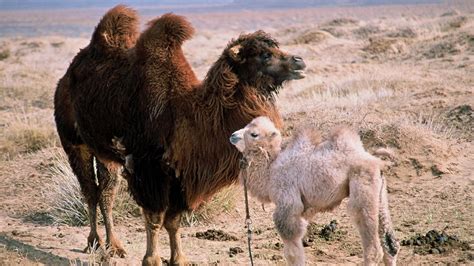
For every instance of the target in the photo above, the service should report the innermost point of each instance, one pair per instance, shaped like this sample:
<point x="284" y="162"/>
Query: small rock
<point x="307" y="242"/>
<point x="434" y="251"/>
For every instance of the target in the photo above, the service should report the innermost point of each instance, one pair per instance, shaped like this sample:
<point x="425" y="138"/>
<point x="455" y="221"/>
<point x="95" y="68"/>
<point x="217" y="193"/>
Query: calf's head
<point x="259" y="135"/>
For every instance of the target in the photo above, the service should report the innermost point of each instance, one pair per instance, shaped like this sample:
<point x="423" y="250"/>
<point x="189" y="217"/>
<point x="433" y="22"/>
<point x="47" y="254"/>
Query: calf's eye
<point x="253" y="135"/>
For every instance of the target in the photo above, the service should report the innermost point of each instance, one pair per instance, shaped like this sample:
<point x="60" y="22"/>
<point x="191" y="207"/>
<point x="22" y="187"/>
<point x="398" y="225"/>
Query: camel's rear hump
<point x="344" y="137"/>
<point x="167" y="31"/>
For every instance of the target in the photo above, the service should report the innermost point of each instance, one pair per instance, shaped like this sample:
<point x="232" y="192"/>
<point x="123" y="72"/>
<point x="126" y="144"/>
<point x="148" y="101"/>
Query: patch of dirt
<point x="434" y="242"/>
<point x="327" y="232"/>
<point x="234" y="251"/>
<point x="216" y="235"/>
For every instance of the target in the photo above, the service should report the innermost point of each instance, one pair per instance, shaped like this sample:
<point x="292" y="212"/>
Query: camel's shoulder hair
<point x="117" y="30"/>
<point x="305" y="137"/>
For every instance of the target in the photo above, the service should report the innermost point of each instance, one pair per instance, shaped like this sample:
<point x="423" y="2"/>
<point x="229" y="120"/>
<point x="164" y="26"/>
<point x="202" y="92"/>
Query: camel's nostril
<point x="297" y="58"/>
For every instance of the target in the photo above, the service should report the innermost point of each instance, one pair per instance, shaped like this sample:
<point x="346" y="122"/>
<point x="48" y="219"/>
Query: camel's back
<point x="320" y="172"/>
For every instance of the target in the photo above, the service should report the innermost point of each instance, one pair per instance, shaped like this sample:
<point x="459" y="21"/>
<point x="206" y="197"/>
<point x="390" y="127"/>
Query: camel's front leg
<point x="292" y="228"/>
<point x="172" y="222"/>
<point x="153" y="223"/>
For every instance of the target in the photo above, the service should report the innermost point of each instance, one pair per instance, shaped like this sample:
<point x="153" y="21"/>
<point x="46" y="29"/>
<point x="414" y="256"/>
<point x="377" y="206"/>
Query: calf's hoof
<point x="152" y="261"/>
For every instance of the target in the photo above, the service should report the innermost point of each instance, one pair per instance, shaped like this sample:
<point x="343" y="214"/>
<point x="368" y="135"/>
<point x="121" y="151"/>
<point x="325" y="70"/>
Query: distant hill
<point x="284" y="3"/>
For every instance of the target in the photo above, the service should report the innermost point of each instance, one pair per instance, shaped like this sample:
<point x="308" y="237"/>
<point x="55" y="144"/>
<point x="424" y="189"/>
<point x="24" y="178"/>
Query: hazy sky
<point x="32" y="4"/>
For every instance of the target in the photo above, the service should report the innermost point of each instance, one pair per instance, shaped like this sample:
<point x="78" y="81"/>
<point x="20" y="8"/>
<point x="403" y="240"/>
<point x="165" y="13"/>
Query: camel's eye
<point x="254" y="135"/>
<point x="266" y="56"/>
<point x="273" y="134"/>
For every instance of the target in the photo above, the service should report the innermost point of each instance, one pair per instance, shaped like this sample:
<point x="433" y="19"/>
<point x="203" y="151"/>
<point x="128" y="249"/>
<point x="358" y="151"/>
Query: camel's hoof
<point x="117" y="250"/>
<point x="152" y="261"/>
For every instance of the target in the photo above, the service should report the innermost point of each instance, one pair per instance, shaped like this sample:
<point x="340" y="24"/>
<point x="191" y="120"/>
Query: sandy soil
<point x="401" y="75"/>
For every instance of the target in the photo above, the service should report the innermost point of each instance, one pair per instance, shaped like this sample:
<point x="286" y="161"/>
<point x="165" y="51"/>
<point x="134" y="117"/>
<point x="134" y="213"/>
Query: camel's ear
<point x="234" y="52"/>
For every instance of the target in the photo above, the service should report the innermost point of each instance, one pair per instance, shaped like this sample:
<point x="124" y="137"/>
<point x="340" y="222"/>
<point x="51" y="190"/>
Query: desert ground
<point x="402" y="76"/>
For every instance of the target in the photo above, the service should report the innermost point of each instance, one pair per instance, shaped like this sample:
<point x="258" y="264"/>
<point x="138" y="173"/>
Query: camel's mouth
<point x="298" y="67"/>
<point x="298" y="74"/>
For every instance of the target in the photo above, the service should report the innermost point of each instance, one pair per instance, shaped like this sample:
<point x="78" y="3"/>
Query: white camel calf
<point x="310" y="176"/>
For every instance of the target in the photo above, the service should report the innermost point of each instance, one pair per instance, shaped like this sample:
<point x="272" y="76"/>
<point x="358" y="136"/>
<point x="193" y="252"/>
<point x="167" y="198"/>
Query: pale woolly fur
<point x="311" y="176"/>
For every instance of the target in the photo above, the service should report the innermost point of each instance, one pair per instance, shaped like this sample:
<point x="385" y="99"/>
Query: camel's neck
<point x="230" y="102"/>
<point x="258" y="174"/>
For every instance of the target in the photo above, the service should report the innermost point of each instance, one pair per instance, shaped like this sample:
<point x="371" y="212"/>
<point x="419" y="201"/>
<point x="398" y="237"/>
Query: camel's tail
<point x="166" y="32"/>
<point x="389" y="243"/>
<point x="116" y="31"/>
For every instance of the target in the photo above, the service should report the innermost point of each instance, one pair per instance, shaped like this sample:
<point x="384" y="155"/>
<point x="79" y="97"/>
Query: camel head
<point x="256" y="59"/>
<point x="258" y="136"/>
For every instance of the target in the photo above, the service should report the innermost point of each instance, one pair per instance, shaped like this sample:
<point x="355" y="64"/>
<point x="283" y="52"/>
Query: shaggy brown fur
<point x="146" y="102"/>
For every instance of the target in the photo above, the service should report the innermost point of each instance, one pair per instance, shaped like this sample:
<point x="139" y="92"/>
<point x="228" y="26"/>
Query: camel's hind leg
<point x="364" y="207"/>
<point x="108" y="173"/>
<point x="153" y="224"/>
<point x="81" y="161"/>
<point x="389" y="242"/>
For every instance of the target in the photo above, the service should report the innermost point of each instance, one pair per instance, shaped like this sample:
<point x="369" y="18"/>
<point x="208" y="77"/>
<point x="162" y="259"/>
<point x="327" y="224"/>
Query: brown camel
<point x="118" y="100"/>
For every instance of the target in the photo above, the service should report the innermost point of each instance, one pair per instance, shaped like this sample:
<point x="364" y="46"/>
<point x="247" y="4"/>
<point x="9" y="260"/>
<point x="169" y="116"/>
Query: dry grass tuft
<point x="404" y="32"/>
<point x="384" y="46"/>
<point x="4" y="54"/>
<point x="26" y="134"/>
<point x="311" y="36"/>
<point x="455" y="23"/>
<point x="450" y="13"/>
<point x="442" y="49"/>
<point x="366" y="31"/>
<point x="341" y="22"/>
<point x="220" y="203"/>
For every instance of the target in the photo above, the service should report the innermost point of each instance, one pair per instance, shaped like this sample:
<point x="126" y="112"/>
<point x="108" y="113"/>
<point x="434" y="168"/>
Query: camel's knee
<point x="289" y="222"/>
